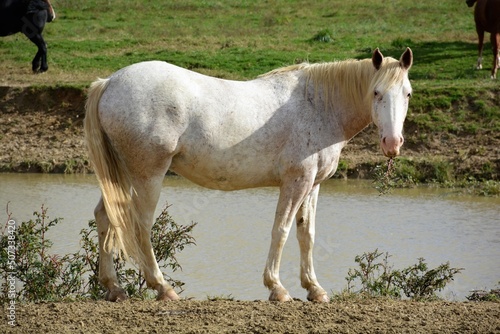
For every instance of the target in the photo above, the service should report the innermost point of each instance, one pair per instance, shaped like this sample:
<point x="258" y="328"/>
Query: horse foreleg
<point x="305" y="235"/>
<point x="291" y="197"/>
<point x="33" y="30"/>
<point x="107" y="273"/>
<point x="39" y="63"/>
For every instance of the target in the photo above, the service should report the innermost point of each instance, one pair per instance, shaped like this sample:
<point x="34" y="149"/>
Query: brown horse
<point x="487" y="18"/>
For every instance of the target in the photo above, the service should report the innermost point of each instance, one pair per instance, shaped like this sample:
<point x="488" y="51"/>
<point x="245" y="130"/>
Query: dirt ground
<point x="41" y="130"/>
<point x="223" y="316"/>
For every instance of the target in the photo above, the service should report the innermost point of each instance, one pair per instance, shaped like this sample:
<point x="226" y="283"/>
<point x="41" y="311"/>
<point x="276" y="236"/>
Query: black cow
<point x="28" y="17"/>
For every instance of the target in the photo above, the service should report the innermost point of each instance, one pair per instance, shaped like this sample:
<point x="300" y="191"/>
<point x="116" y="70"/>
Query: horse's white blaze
<point x="285" y="129"/>
<point x="389" y="110"/>
<point x="51" y="9"/>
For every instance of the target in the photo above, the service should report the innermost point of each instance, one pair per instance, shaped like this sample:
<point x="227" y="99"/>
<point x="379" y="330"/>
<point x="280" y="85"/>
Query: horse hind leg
<point x="495" y="43"/>
<point x="480" y="35"/>
<point x="146" y="198"/>
<point x="305" y="235"/>
<point x="107" y="273"/>
<point x="147" y="193"/>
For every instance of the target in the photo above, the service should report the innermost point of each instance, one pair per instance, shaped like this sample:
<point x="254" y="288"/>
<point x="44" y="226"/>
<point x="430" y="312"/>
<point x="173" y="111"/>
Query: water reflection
<point x="234" y="229"/>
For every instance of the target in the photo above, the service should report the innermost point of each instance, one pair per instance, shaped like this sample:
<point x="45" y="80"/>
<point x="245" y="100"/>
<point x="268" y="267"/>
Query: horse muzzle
<point x="391" y="144"/>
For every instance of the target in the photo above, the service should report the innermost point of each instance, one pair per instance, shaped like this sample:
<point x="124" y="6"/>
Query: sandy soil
<point x="222" y="316"/>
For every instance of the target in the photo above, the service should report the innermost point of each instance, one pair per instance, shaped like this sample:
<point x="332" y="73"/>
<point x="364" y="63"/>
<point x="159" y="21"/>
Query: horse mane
<point x="36" y="5"/>
<point x="354" y="80"/>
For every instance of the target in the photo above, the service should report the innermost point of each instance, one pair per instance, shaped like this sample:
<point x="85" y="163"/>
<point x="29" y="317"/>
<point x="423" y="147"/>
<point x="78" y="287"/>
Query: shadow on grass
<point x="440" y="60"/>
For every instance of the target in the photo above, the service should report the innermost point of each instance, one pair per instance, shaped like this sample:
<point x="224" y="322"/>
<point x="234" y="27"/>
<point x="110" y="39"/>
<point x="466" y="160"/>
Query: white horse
<point x="284" y="129"/>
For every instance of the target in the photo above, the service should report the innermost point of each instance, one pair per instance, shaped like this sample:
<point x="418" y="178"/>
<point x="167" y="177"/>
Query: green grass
<point x="241" y="39"/>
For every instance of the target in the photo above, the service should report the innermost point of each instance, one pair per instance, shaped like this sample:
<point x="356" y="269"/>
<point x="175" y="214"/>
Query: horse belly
<point x="224" y="171"/>
<point x="219" y="134"/>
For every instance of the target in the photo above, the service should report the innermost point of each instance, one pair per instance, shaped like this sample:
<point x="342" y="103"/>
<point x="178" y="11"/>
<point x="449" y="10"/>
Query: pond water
<point x="234" y="230"/>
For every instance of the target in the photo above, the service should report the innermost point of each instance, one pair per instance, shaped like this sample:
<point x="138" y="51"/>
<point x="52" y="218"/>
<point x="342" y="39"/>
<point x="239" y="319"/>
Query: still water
<point x="234" y="229"/>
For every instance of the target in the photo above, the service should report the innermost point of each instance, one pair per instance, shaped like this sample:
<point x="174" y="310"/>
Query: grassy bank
<point x="241" y="39"/>
<point x="452" y="130"/>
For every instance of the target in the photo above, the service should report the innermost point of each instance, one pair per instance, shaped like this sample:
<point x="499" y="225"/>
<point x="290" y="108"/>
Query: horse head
<point x="51" y="12"/>
<point x="37" y="6"/>
<point x="391" y="91"/>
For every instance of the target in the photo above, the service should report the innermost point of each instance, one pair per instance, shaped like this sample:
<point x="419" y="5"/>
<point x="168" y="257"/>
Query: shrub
<point x="418" y="282"/>
<point x="25" y="259"/>
<point x="485" y="296"/>
<point x="376" y="277"/>
<point x="38" y="274"/>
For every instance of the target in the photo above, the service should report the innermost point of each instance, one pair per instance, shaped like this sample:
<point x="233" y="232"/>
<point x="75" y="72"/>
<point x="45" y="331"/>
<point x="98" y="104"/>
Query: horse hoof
<point x="117" y="295"/>
<point x="40" y="70"/>
<point x="280" y="296"/>
<point x="319" y="298"/>
<point x="317" y="294"/>
<point x="170" y="294"/>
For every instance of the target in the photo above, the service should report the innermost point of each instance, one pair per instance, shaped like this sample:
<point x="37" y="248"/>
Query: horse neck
<point x="348" y="103"/>
<point x="352" y="119"/>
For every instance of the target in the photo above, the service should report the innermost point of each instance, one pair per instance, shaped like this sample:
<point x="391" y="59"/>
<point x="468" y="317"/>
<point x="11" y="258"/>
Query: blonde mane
<point x="354" y="80"/>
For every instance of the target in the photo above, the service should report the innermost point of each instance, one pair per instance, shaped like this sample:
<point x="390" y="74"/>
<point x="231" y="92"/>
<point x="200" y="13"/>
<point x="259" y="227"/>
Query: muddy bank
<point x="362" y="316"/>
<point x="41" y="130"/>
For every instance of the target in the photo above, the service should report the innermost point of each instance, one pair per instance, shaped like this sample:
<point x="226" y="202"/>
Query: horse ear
<point x="406" y="59"/>
<point x="377" y="58"/>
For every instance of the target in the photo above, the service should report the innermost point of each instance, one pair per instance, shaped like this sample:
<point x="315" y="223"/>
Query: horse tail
<point x="125" y="229"/>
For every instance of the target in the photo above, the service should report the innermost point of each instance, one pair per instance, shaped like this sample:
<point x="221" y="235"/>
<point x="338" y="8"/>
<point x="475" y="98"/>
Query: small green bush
<point x="419" y="282"/>
<point x="29" y="272"/>
<point x="25" y="258"/>
<point x="485" y="296"/>
<point x="375" y="277"/>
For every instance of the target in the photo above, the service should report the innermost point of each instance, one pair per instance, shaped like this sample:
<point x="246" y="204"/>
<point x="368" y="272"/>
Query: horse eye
<point x="375" y="93"/>
<point x="409" y="95"/>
